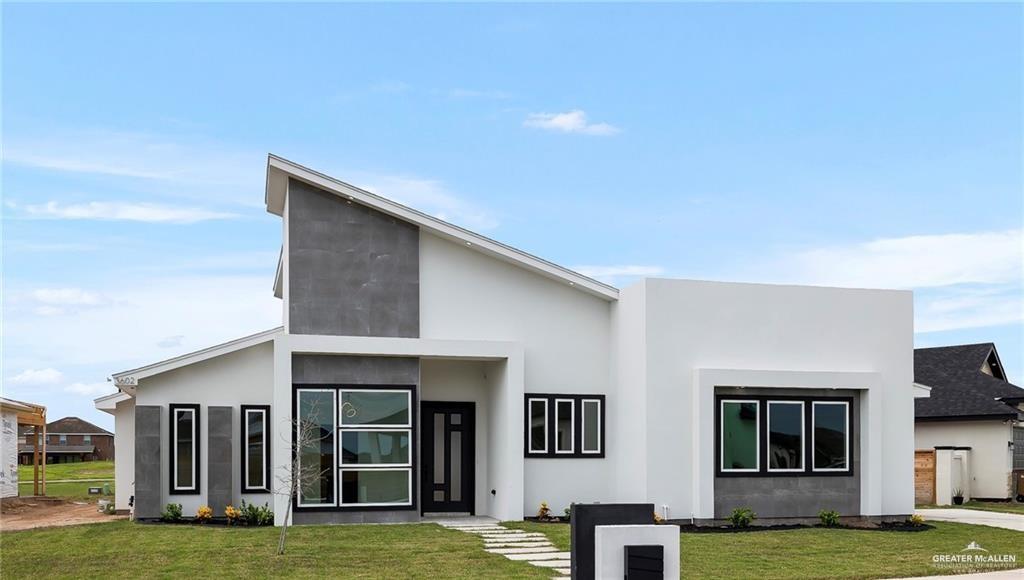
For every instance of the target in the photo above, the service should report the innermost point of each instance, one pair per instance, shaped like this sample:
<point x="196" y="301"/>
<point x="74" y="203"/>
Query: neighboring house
<point x="14" y="415"/>
<point x="69" y="440"/>
<point x="447" y="372"/>
<point x="970" y="421"/>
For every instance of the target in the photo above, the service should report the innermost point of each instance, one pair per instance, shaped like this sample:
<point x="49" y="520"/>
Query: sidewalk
<point x="976" y="517"/>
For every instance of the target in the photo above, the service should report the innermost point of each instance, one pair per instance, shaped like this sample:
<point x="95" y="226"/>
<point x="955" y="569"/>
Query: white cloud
<point x="124" y="211"/>
<point x="605" y="272"/>
<point x="47" y="376"/>
<point x="429" y="196"/>
<point x="90" y="389"/>
<point x="915" y="261"/>
<point x="171" y="341"/>
<point x="957" y="307"/>
<point x="179" y="166"/>
<point x="574" y="121"/>
<point x="66" y="297"/>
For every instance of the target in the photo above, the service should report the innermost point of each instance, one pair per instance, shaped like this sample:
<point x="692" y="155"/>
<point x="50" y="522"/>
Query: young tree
<point x="307" y="434"/>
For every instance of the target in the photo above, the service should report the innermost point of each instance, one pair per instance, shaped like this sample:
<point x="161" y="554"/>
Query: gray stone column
<point x="219" y="483"/>
<point x="148" y="483"/>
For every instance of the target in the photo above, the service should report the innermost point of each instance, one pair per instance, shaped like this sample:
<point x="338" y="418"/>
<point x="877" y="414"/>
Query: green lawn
<point x="820" y="553"/>
<point x="128" y="550"/>
<point x="81" y="470"/>
<point x="86" y="474"/>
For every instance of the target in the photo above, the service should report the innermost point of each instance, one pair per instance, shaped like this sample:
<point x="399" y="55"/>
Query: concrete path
<point x="530" y="547"/>
<point x="976" y="517"/>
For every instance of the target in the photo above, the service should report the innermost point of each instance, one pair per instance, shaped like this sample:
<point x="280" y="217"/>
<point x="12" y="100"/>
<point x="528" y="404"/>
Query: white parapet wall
<point x="610" y="543"/>
<point x="9" y="446"/>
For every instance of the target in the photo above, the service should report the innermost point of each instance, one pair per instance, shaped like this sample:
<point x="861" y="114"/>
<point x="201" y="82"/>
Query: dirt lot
<point x="34" y="512"/>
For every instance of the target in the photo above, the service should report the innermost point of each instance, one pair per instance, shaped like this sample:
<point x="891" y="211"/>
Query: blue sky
<point x="857" y="145"/>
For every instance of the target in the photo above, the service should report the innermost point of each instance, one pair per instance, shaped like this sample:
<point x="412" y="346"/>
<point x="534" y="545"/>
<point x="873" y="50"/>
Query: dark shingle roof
<point x="59" y="448"/>
<point x="959" y="388"/>
<point x="71" y="425"/>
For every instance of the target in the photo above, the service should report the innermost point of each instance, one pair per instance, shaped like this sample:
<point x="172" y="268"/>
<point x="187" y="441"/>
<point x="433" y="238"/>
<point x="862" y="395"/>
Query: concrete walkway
<point x="530" y="547"/>
<point x="976" y="517"/>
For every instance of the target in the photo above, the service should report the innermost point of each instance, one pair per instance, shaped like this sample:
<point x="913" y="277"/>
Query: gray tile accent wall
<point x="353" y="271"/>
<point x="148" y="483"/>
<point x="219" y="474"/>
<point x="354" y="370"/>
<point x="802" y="496"/>
<point x="367" y="517"/>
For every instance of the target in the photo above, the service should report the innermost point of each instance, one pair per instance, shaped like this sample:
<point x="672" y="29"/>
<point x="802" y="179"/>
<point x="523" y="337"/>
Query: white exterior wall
<point x="692" y="325"/>
<point x="8" y="454"/>
<point x="565" y="333"/>
<point x="991" y="457"/>
<point x="124" y="453"/>
<point x="243" y="377"/>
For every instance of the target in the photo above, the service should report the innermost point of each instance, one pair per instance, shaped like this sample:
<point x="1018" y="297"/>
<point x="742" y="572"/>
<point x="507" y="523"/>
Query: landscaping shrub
<point x="742" y="517"/>
<point x="204" y="514"/>
<point x="544" y="512"/>
<point x="254" y="515"/>
<point x="829" y="518"/>
<point x="171" y="513"/>
<point x="916" y="520"/>
<point x="658" y="519"/>
<point x="567" y="514"/>
<point x="233" y="515"/>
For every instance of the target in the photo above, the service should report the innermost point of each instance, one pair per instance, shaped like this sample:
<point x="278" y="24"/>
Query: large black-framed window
<point x="255" y="460"/>
<point x="566" y="426"/>
<point x="183" y="439"/>
<point x="780" y="436"/>
<point x="365" y="452"/>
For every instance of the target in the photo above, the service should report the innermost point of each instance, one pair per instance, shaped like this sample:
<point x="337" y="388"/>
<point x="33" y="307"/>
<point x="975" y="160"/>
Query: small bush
<point x="544" y="512"/>
<point x="742" y="517"/>
<point x="204" y="514"/>
<point x="958" y="492"/>
<point x="254" y="515"/>
<point x="916" y="520"/>
<point x="829" y="518"/>
<point x="658" y="519"/>
<point x="233" y="514"/>
<point x="567" y="514"/>
<point x="171" y="513"/>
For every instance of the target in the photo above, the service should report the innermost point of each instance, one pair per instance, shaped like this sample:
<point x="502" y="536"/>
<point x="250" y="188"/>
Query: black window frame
<point x="551" y="438"/>
<point x="763" y="447"/>
<point x="173" y="449"/>
<point x="414" y="407"/>
<point x="244" y="455"/>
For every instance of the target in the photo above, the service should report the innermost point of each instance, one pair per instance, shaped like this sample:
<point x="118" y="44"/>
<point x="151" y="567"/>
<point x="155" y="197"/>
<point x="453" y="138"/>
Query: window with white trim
<point x="314" y="439"/>
<point x="740" y="425"/>
<point x="375" y="430"/>
<point x="564" y="426"/>
<point x="184" y="448"/>
<point x="830" y="438"/>
<point x="255" y="448"/>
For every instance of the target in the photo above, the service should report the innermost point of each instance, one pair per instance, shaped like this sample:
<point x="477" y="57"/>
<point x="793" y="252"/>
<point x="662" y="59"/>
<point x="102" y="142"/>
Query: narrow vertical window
<point x="591" y="428"/>
<point x="740" y="435"/>
<point x="256" y="448"/>
<point x="315" y="437"/>
<point x="87" y="439"/>
<point x="538" y="425"/>
<point x="63" y="439"/>
<point x="830" y="435"/>
<point x="184" y="448"/>
<point x="565" y="435"/>
<point x="785" y="436"/>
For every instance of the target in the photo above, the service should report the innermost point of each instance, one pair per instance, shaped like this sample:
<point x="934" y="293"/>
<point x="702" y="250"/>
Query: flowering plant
<point x="204" y="514"/>
<point x="233" y="514"/>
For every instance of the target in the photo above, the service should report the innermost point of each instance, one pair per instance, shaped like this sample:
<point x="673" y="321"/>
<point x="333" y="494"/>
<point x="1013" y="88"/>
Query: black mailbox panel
<point x="645" y="562"/>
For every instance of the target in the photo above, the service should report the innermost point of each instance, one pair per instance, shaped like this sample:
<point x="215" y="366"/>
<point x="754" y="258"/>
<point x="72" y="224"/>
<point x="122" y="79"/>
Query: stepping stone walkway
<point x="530" y="547"/>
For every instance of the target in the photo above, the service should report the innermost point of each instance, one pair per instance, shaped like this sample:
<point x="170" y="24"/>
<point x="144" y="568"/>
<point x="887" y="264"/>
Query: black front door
<point x="446" y="443"/>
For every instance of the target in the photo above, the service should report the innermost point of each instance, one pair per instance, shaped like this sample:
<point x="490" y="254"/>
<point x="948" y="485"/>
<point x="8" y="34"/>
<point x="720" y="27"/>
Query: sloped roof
<point x="280" y="170"/>
<point x="59" y="449"/>
<point x="72" y="425"/>
<point x="959" y="387"/>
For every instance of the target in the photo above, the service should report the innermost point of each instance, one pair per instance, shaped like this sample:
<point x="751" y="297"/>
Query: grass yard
<point x="127" y="550"/>
<point x="84" y="474"/>
<point x="821" y="553"/>
<point x="81" y="470"/>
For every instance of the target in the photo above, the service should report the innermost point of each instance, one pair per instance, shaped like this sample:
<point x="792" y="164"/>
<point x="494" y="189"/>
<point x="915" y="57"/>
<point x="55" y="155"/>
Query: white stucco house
<point x="446" y="372"/>
<point x="969" y="425"/>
